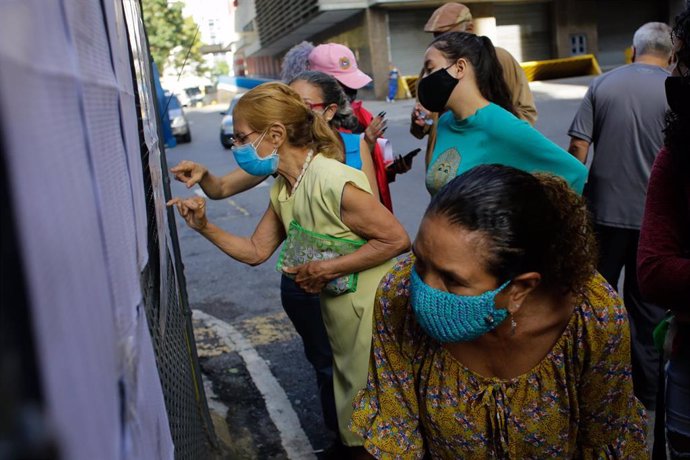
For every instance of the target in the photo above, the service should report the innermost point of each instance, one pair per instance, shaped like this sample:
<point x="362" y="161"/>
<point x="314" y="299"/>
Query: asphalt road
<point x="248" y="298"/>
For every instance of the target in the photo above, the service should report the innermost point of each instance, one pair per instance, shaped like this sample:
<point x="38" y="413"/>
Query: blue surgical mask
<point x="454" y="318"/>
<point x="249" y="160"/>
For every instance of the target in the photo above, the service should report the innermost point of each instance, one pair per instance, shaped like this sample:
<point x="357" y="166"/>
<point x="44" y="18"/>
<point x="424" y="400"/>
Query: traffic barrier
<point x="534" y="70"/>
<point x="561" y="68"/>
<point x="403" y="89"/>
<point x="411" y="84"/>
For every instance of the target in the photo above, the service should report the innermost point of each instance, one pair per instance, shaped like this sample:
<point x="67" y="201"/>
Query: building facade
<point x="383" y="31"/>
<point x="216" y="21"/>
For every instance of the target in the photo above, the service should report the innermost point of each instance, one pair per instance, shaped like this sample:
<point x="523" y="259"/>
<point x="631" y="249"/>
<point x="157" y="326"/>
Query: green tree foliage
<point x="171" y="35"/>
<point x="220" y="68"/>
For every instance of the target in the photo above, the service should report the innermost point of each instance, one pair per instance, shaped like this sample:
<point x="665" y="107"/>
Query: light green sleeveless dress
<point x="315" y="206"/>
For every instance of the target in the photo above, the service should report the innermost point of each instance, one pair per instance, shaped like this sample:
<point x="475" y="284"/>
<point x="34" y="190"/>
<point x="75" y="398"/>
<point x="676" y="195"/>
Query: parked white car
<point x="227" y="129"/>
<point x="178" y="120"/>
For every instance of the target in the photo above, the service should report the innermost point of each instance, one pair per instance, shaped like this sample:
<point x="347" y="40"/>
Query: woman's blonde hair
<point x="276" y="102"/>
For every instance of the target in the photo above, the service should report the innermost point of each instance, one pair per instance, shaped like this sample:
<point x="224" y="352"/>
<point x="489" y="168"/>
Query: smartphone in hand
<point x="403" y="163"/>
<point x="410" y="155"/>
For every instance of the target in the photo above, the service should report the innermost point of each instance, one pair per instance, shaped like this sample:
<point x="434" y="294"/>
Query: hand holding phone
<point x="402" y="164"/>
<point x="410" y="155"/>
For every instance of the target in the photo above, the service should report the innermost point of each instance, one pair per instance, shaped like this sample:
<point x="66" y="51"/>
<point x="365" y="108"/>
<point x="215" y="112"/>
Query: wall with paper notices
<point x="105" y="298"/>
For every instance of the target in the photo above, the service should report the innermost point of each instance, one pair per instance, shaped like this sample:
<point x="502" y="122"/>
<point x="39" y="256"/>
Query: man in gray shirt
<point x="622" y="114"/>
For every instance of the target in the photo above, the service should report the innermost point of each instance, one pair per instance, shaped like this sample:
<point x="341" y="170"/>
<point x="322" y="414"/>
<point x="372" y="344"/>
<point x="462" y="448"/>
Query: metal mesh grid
<point x="173" y="344"/>
<point x="174" y="347"/>
<point x="177" y="372"/>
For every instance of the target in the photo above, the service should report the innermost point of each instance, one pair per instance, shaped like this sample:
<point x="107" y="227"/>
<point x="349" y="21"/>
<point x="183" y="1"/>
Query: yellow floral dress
<point x="576" y="403"/>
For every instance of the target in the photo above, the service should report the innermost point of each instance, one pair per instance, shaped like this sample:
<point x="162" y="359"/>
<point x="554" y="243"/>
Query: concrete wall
<point x="572" y="17"/>
<point x="617" y="21"/>
<point x="408" y="41"/>
<point x="609" y="25"/>
<point x="674" y="8"/>
<point x="376" y="23"/>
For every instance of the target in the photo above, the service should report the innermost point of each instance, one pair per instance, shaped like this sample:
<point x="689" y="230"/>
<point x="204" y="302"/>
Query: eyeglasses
<point x="316" y="105"/>
<point x="239" y="138"/>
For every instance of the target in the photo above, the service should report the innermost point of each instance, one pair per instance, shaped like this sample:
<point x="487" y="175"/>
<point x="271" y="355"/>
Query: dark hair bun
<point x="531" y="223"/>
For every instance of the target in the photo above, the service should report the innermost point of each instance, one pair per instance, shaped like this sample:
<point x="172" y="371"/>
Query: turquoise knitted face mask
<point x="454" y="318"/>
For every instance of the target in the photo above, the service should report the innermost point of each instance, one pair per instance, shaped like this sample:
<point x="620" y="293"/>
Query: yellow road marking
<point x="292" y="437"/>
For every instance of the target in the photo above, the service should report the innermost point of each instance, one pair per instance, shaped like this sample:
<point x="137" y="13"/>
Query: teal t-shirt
<point x="494" y="135"/>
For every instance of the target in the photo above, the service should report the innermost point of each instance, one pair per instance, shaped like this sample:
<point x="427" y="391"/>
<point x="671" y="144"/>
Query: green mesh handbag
<point x="303" y="246"/>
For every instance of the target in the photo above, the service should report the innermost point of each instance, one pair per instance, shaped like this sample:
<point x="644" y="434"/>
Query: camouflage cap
<point x="447" y="17"/>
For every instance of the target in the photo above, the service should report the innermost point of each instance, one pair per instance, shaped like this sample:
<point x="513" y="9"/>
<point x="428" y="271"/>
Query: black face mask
<point x="435" y="89"/>
<point x="677" y="95"/>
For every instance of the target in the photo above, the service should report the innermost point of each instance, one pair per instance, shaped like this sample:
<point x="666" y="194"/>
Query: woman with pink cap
<point x="339" y="61"/>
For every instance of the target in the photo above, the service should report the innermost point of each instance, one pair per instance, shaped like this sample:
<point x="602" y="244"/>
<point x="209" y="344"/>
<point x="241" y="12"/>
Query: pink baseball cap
<point x="338" y="61"/>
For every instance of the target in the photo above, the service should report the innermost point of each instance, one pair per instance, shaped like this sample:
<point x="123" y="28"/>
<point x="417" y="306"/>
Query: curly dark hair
<point x="681" y="31"/>
<point x="677" y="125"/>
<point x="533" y="223"/>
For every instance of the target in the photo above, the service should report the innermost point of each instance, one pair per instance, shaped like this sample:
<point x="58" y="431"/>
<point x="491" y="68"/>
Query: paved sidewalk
<point x="399" y="110"/>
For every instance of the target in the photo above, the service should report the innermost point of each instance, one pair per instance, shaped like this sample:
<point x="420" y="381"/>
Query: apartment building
<point x="383" y="31"/>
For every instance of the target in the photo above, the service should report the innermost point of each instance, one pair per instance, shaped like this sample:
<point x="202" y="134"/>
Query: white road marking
<point x="233" y="203"/>
<point x="292" y="437"/>
<point x="238" y="207"/>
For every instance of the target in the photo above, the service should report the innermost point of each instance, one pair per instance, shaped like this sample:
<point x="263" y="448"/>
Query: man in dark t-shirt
<point x="622" y="114"/>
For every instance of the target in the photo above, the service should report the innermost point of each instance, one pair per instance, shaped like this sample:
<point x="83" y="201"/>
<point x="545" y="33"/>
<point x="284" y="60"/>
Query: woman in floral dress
<point x="497" y="339"/>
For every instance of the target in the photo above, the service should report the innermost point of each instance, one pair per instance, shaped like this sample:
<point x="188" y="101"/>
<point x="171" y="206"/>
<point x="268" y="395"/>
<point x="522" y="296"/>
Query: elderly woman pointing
<point x="339" y="239"/>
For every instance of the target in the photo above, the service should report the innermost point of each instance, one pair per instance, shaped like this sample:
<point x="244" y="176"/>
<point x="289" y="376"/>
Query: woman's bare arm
<point x="368" y="167"/>
<point x="215" y="187"/>
<point x="253" y="250"/>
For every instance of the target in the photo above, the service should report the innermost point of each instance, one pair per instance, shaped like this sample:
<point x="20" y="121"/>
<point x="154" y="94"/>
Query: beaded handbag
<point x="303" y="246"/>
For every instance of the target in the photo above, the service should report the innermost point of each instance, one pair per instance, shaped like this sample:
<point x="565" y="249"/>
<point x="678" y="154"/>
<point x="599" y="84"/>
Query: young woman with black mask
<point x="463" y="77"/>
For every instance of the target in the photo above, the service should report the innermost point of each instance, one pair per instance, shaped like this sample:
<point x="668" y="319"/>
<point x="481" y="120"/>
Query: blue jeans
<point x="678" y="404"/>
<point x="392" y="89"/>
<point x="304" y="310"/>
